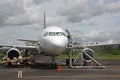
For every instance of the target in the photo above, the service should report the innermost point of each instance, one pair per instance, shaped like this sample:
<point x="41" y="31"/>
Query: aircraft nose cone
<point x="60" y="42"/>
<point x="59" y="46"/>
<point x="56" y="45"/>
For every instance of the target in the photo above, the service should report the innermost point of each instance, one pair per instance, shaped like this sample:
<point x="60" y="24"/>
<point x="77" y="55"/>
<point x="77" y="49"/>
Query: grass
<point x="109" y="57"/>
<point x="108" y="53"/>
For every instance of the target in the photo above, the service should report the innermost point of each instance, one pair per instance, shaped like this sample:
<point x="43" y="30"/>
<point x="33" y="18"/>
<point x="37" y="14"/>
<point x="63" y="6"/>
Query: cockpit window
<point x="45" y="34"/>
<point x="54" y="34"/>
<point x="51" y="33"/>
<point x="60" y="34"/>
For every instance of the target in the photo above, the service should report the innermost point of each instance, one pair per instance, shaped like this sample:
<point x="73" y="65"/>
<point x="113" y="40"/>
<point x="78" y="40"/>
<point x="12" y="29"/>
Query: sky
<point x="91" y="20"/>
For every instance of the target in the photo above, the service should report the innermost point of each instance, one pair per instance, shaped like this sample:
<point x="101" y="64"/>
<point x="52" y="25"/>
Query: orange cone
<point x="59" y="68"/>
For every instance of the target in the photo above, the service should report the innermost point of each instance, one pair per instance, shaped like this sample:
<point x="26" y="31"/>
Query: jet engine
<point x="13" y="52"/>
<point x="90" y="52"/>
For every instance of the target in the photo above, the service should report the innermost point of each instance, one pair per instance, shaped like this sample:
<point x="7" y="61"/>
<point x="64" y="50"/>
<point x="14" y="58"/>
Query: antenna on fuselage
<point x="44" y="20"/>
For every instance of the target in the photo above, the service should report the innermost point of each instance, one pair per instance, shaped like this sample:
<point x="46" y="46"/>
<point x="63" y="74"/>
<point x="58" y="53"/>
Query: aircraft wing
<point x="78" y="46"/>
<point x="30" y="44"/>
<point x="29" y="41"/>
<point x="104" y="44"/>
<point x="18" y="46"/>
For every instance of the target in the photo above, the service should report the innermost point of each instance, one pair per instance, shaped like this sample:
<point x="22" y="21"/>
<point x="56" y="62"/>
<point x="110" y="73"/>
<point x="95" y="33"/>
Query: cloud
<point x="9" y="8"/>
<point x="77" y="10"/>
<point x="40" y="1"/>
<point x="19" y="12"/>
<point x="110" y="41"/>
<point x="53" y="20"/>
<point x="102" y="36"/>
<point x="29" y="13"/>
<point x="96" y="35"/>
<point x="18" y="20"/>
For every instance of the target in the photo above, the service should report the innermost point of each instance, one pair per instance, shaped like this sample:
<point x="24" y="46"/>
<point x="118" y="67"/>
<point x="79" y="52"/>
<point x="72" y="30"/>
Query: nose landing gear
<point x="53" y="64"/>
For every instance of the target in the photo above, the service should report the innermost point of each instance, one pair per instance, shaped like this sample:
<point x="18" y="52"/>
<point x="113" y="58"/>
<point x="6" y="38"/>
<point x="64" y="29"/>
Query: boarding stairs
<point x="82" y="59"/>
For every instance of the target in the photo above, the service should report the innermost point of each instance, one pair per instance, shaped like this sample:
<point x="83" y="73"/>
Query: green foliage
<point x="107" y="50"/>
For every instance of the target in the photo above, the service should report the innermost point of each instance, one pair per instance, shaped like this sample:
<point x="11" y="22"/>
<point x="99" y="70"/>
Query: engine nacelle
<point x="90" y="52"/>
<point x="13" y="52"/>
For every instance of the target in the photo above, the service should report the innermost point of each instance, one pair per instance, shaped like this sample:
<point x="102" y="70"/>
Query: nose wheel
<point x="53" y="64"/>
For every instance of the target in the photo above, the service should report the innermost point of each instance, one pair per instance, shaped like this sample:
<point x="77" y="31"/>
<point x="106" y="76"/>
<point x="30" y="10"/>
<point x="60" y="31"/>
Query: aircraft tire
<point x="68" y="62"/>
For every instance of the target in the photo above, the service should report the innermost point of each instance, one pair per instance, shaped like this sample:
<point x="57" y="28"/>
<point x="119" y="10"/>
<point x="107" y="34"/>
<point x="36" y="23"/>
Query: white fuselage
<point x="53" y="41"/>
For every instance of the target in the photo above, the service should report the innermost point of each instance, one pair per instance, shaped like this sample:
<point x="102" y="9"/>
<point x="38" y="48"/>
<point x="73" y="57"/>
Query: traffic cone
<point x="59" y="68"/>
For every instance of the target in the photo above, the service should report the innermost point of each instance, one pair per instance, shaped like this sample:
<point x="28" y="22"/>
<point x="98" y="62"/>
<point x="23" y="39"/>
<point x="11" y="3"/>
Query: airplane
<point x="52" y="42"/>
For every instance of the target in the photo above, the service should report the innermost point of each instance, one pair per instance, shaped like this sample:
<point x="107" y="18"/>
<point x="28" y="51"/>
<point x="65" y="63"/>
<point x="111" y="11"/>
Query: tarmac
<point x="112" y="72"/>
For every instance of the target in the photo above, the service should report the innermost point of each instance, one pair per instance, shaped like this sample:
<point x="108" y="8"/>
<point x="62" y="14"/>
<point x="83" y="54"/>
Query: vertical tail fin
<point x="44" y="20"/>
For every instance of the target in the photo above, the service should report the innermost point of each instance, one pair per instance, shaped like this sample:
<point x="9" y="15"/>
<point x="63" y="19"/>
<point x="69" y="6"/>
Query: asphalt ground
<point x="112" y="72"/>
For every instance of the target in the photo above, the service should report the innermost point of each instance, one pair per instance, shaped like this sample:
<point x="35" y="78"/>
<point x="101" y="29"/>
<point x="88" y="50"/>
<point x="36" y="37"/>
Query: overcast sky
<point x="94" y="20"/>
